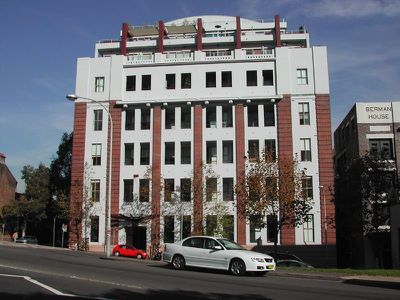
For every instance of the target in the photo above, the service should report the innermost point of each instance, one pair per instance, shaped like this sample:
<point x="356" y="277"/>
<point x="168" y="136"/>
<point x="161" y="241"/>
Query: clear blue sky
<point x="41" y="40"/>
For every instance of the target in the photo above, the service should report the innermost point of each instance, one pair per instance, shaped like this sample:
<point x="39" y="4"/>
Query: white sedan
<point x="216" y="253"/>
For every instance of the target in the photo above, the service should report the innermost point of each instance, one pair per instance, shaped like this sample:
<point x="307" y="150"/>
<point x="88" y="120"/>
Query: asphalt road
<point x="28" y="272"/>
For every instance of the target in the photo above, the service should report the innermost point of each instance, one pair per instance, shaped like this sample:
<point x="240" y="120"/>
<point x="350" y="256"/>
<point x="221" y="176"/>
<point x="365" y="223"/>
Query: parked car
<point x="27" y="239"/>
<point x="216" y="253"/>
<point x="292" y="263"/>
<point x="128" y="250"/>
<point x="280" y="256"/>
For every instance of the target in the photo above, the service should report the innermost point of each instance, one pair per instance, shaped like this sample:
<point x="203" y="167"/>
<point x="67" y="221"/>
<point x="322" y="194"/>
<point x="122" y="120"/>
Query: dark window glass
<point x="307" y="186"/>
<point x="228" y="227"/>
<point x="269" y="115"/>
<point x="170" y="117"/>
<point x="305" y="149"/>
<point x="146" y="82"/>
<point x="227" y="186"/>
<point x="170" y="81"/>
<point x="272" y="224"/>
<point x="96" y="154"/>
<point x="252" y="115"/>
<point x="186" y="189"/>
<point x="185" y="153"/>
<point x="128" y="190"/>
<point x="211" y="225"/>
<point x="270" y="148"/>
<point x="129" y="153"/>
<point x="144" y="153"/>
<point x="186" y="117"/>
<point x="251" y="78"/>
<point x="211" y="152"/>
<point x="145" y="119"/>
<point x="169" y="153"/>
<point x="168" y="229"/>
<point x="130" y="119"/>
<point x="98" y="120"/>
<point x="211" y="189"/>
<point x="186" y="226"/>
<point x="253" y="150"/>
<point x="211" y="79"/>
<point x="186" y="80"/>
<point x="226" y="78"/>
<point x="94" y="229"/>
<point x="227" y="116"/>
<point x="130" y="83"/>
<point x="227" y="152"/>
<point x="194" y="242"/>
<point x="95" y="186"/>
<point x="211" y="117"/>
<point x="144" y="190"/>
<point x="268" y="77"/>
<point x="168" y="189"/>
<point x="381" y="148"/>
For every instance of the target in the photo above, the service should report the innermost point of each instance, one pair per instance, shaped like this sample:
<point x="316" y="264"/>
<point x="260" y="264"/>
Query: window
<point x="255" y="228"/>
<point x="98" y="120"/>
<point x="144" y="153"/>
<point x="130" y="119"/>
<point x="186" y="189"/>
<point x="145" y="119"/>
<point x="270" y="148"/>
<point x="381" y="148"/>
<point x="211" y="117"/>
<point x="227" y="152"/>
<point x="168" y="189"/>
<point x="194" y="242"/>
<point x="252" y="115"/>
<point x="95" y="189"/>
<point x="211" y="225"/>
<point x="226" y="78"/>
<point x="211" y="79"/>
<point x="144" y="190"/>
<point x="170" y="81"/>
<point x="170" y="118"/>
<point x="307" y="186"/>
<point x="272" y="227"/>
<point x="186" y="80"/>
<point x="254" y="153"/>
<point x="130" y="83"/>
<point x="129" y="154"/>
<point x="169" y="153"/>
<point x="269" y="115"/>
<point x="186" y="226"/>
<point x="251" y="78"/>
<point x="227" y="116"/>
<point x="94" y="229"/>
<point x="146" y="82"/>
<point x="186" y="117"/>
<point x="308" y="229"/>
<point x="302" y="77"/>
<point x="305" y="148"/>
<point x="227" y="187"/>
<point x="185" y="153"/>
<point x="304" y="114"/>
<point x="169" y="229"/>
<point x="211" y="152"/>
<point x="268" y="77"/>
<point x="211" y="189"/>
<point x="96" y="154"/>
<point x="99" y="84"/>
<point x="227" y="227"/>
<point x="128" y="190"/>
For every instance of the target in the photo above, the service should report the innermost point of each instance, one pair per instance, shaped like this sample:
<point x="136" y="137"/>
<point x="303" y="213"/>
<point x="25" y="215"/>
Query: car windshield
<point x="229" y="245"/>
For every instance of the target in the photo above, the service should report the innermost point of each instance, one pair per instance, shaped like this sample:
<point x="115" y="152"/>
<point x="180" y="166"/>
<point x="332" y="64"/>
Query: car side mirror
<point x="217" y="247"/>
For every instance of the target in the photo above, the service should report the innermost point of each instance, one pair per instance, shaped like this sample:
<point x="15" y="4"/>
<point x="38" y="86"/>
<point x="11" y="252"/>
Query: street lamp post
<point x="73" y="97"/>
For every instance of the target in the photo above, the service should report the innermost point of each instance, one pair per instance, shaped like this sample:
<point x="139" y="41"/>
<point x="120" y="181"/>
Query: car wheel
<point x="139" y="256"/>
<point x="237" y="267"/>
<point x="178" y="262"/>
<point x="116" y="253"/>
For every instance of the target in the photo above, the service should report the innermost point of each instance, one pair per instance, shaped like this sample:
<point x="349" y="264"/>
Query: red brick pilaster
<point x="156" y="177"/>
<point x="325" y="164"/>
<point x="240" y="170"/>
<point x="238" y="39"/>
<point x="199" y="34"/>
<point x="116" y="114"/>
<point x="124" y="38"/>
<point x="77" y="173"/>
<point x="198" y="169"/>
<point x="161" y="28"/>
<point x="285" y="150"/>
<point x="277" y="31"/>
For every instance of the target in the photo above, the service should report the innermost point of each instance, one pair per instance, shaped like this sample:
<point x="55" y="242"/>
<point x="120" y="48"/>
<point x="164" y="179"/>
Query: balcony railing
<point x="259" y="53"/>
<point x="146" y="58"/>
<point x="179" y="56"/>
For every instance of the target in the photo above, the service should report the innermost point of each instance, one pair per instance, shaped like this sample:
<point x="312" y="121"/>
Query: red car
<point x="129" y="250"/>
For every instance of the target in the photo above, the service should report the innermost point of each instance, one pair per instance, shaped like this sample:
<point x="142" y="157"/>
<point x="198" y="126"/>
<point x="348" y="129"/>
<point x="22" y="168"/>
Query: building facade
<point x="193" y="96"/>
<point x="368" y="129"/>
<point x="8" y="183"/>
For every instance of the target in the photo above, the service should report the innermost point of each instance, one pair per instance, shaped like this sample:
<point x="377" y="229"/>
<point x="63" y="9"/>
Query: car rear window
<point x="194" y="242"/>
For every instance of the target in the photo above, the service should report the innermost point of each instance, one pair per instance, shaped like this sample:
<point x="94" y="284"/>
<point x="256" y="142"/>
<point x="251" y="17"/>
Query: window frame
<point x="97" y="120"/>
<point x="99" y="84"/>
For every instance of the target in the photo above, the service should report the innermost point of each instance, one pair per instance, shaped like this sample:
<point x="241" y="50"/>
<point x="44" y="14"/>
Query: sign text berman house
<point x="376" y="112"/>
<point x="379" y="112"/>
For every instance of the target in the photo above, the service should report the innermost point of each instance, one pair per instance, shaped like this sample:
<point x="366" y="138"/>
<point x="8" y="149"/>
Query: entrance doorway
<point x="139" y="237"/>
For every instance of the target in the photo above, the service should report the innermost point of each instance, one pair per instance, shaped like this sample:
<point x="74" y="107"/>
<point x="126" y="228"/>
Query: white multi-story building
<point x="200" y="93"/>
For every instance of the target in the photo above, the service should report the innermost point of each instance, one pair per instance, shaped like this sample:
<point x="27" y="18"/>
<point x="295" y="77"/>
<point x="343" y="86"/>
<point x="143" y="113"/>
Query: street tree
<point x="273" y="188"/>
